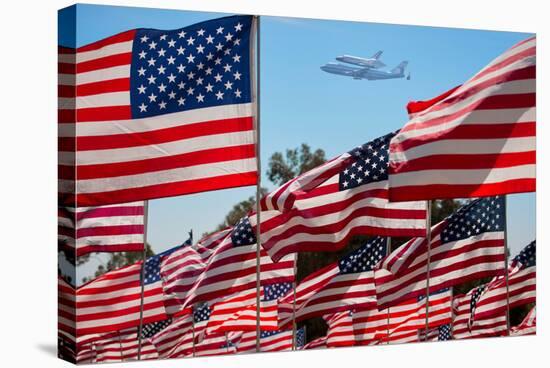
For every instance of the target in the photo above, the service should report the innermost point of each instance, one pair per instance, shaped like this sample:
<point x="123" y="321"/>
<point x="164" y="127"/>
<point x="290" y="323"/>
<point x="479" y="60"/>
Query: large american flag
<point x="467" y="245"/>
<point x="321" y="209"/>
<point x="462" y="326"/>
<point x="191" y="276"/>
<point x="476" y="140"/>
<point x="522" y="288"/>
<point x="340" y="329"/>
<point x="111" y="228"/>
<point x="112" y="301"/>
<point x="343" y="285"/>
<point x="152" y="113"/>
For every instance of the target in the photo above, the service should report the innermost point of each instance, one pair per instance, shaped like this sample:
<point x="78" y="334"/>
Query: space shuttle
<point x="372" y="62"/>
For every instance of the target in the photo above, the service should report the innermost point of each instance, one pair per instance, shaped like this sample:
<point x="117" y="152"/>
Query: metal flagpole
<point x="388" y="251"/>
<point x="120" y="345"/>
<point x="256" y="95"/>
<point x="294" y="303"/>
<point x="506" y="268"/>
<point x="452" y="313"/>
<point x="226" y="343"/>
<point x="428" y="260"/>
<point x="193" y="333"/>
<point x="143" y="258"/>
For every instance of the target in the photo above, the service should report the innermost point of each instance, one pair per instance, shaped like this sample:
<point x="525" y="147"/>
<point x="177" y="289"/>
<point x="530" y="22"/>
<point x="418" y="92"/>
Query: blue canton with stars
<point x="369" y="164"/>
<point x="301" y="337"/>
<point x="476" y="295"/>
<point x="206" y="64"/>
<point x="440" y="291"/>
<point x="201" y="312"/>
<point x="527" y="257"/>
<point x="365" y="258"/>
<point x="151" y="329"/>
<point x="479" y="216"/>
<point x="444" y="333"/>
<point x="276" y="291"/>
<point x="242" y="233"/>
<point x="152" y="266"/>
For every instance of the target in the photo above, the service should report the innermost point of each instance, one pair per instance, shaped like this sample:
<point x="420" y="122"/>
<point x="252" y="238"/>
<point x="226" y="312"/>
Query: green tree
<point x="296" y="161"/>
<point x="239" y="210"/>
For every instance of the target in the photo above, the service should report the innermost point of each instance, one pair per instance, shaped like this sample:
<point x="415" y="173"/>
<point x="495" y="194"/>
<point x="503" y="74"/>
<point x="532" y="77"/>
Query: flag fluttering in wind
<point x="475" y="140"/>
<point x="322" y="208"/>
<point x="467" y="245"/>
<point x="528" y="326"/>
<point x="153" y="113"/>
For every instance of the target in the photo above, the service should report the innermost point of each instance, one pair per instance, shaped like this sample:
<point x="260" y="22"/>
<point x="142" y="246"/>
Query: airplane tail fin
<point x="400" y="69"/>
<point x="377" y="55"/>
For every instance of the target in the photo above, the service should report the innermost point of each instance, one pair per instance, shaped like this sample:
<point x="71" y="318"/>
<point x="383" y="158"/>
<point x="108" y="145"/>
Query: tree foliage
<point x="296" y="161"/>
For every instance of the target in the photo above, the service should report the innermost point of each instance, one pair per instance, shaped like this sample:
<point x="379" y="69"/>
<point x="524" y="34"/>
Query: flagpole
<point x="506" y="267"/>
<point x="428" y="260"/>
<point x="120" y="345"/>
<point x="256" y="95"/>
<point x="452" y="313"/>
<point x="226" y="343"/>
<point x="193" y="333"/>
<point x="294" y="303"/>
<point x="388" y="251"/>
<point x="142" y="277"/>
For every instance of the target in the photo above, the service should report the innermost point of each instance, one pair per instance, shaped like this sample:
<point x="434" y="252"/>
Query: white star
<point x="200" y="49"/>
<point x="181" y="85"/>
<point x="209" y="87"/>
<point x="151" y="62"/>
<point x="142" y="54"/>
<point x="218" y="77"/>
<point x="219" y="95"/>
<point x="142" y="89"/>
<point x="228" y="37"/>
<point x="180" y="50"/>
<point x="172" y="43"/>
<point x="190" y="91"/>
<point x="152" y="97"/>
<point x="152" y="45"/>
<point x="200" y="98"/>
<point x="172" y="95"/>
<point x="345" y="183"/>
<point x="236" y="58"/>
<point x="181" y="34"/>
<point x="237" y="75"/>
<point x="228" y="85"/>
<point x="209" y="56"/>
<point x="171" y="78"/>
<point x="200" y="32"/>
<point x="190" y="59"/>
<point x="152" y="79"/>
<point x="163" y="37"/>
<point x="237" y="93"/>
<point x="200" y="66"/>
<point x="142" y="107"/>
<point x="237" y="42"/>
<point x="144" y="38"/>
<point x="219" y="30"/>
<point x="141" y="71"/>
<point x="218" y="61"/>
<point x="199" y="81"/>
<point x="181" y="68"/>
<point x="162" y="52"/>
<point x="162" y="87"/>
<point x="190" y="41"/>
<point x="162" y="105"/>
<point x="171" y="60"/>
<point x="209" y="39"/>
<point x="238" y="27"/>
<point x="227" y="51"/>
<point x="161" y="69"/>
<point x="219" y="47"/>
<point x="181" y="101"/>
<point x="190" y="75"/>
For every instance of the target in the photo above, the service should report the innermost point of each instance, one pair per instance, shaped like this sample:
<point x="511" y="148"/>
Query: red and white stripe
<point x="177" y="339"/>
<point x="477" y="140"/>
<point x="107" y="157"/>
<point x="190" y="277"/>
<point x="340" y="330"/>
<point x="522" y="290"/>
<point x="528" y="326"/>
<point x="112" y="302"/>
<point x="123" y="347"/>
<point x="450" y="264"/>
<point x="279" y="342"/>
<point x="318" y="343"/>
<point x="367" y="323"/>
<point x="216" y="344"/>
<point x="327" y="291"/>
<point x="487" y="327"/>
<point x="310" y="213"/>
<point x="238" y="313"/>
<point x="111" y="228"/>
<point x="66" y="310"/>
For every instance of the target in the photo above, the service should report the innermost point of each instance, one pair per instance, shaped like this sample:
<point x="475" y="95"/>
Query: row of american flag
<point x="148" y="113"/>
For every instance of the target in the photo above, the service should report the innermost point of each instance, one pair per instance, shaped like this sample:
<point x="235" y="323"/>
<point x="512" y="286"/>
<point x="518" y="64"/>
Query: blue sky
<point x="300" y="103"/>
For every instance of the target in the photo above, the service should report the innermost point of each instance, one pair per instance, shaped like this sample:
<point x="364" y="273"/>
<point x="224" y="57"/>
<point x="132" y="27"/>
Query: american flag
<point x="152" y="113"/>
<point x="528" y="326"/>
<point x="321" y="209"/>
<point x="318" y="343"/>
<point x="486" y="327"/>
<point x="122" y="347"/>
<point x="112" y="301"/>
<point x="467" y="245"/>
<point x="522" y="286"/>
<point x="177" y="338"/>
<point x="111" y="228"/>
<point x="238" y="312"/>
<point x="340" y="329"/>
<point x="191" y="277"/>
<point x="66" y="311"/>
<point x="476" y="140"/>
<point x="343" y="285"/>
<point x="440" y="333"/>
<point x="281" y="340"/>
<point x="367" y="323"/>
